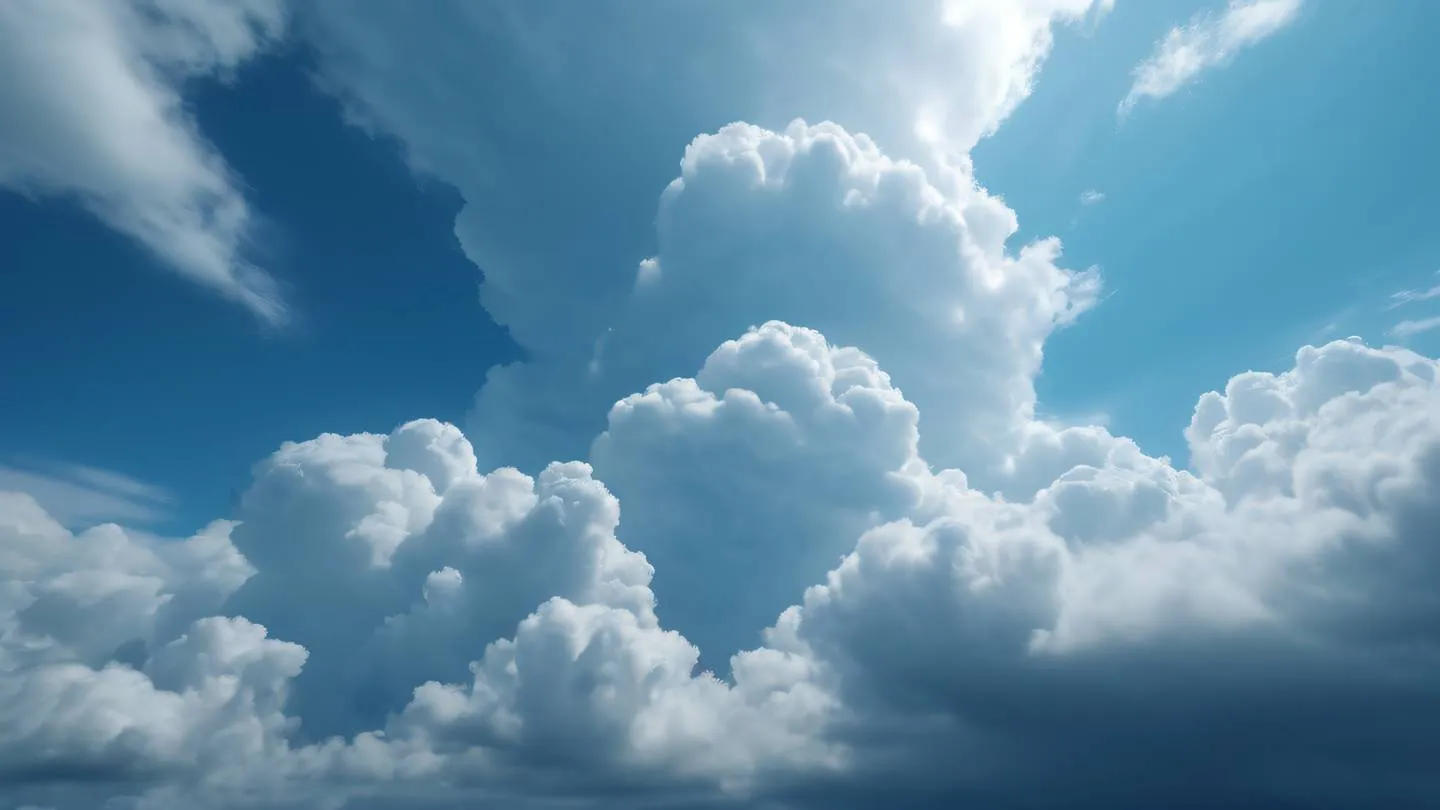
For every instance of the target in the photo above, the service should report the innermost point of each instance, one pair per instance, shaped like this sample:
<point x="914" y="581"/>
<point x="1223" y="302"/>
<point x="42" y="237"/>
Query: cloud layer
<point x="1131" y="632"/>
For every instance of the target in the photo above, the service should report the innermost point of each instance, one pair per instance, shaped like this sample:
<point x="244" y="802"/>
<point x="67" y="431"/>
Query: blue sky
<point x="883" y="335"/>
<point x="1262" y="231"/>
<point x="128" y="369"/>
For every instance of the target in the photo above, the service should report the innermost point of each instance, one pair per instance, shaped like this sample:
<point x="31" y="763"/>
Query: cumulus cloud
<point x="92" y="111"/>
<point x="776" y="405"/>
<point x="1204" y="627"/>
<point x="822" y="553"/>
<point x="112" y="670"/>
<point x="817" y="226"/>
<point x="400" y="561"/>
<point x="1207" y="42"/>
<point x="1091" y="197"/>
<point x="606" y="90"/>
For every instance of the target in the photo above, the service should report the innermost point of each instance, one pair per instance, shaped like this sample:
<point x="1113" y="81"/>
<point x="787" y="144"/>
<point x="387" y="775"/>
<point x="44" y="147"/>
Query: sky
<point x="827" y="404"/>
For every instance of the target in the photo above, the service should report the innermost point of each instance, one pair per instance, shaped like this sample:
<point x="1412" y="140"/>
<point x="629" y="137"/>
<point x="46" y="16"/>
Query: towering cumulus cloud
<point x="916" y="75"/>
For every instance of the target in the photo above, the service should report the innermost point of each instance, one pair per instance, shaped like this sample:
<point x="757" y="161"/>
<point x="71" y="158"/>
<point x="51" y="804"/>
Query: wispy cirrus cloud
<point x="93" y="112"/>
<point x="1404" y="297"/>
<point x="1208" y="41"/>
<point x="1411" y="328"/>
<point x="80" y="496"/>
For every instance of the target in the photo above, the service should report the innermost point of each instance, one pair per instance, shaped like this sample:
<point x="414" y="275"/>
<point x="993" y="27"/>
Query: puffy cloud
<point x="999" y="610"/>
<point x="1126" y="619"/>
<point x="91" y="93"/>
<point x="821" y="228"/>
<point x="1206" y="42"/>
<point x="1246" y="439"/>
<point x="390" y="557"/>
<point x="1129" y="616"/>
<point x="393" y="560"/>
<point x="209" y="712"/>
<point x="605" y="95"/>
<point x="776" y="409"/>
<point x="1259" y="630"/>
<point x="112" y="670"/>
<point x="611" y="698"/>
<point x="85" y="595"/>
<point x="395" y="581"/>
<point x="1133" y="616"/>
<point x="817" y="226"/>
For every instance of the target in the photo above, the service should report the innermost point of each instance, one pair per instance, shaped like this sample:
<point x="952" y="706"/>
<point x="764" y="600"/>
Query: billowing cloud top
<point x="492" y="632"/>
<point x="822" y="551"/>
<point x="929" y="79"/>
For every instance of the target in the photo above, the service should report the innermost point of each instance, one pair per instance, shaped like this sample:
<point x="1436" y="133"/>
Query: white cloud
<point x="1019" y="610"/>
<point x="775" y="405"/>
<point x="1091" y="197"/>
<point x="1290" y="570"/>
<point x="91" y="93"/>
<point x="112" y="673"/>
<point x="596" y="107"/>
<point x="1410" y="328"/>
<point x="1208" y="41"/>
<point x="80" y="496"/>
<point x="818" y="226"/>
<point x="393" y="560"/>
<point x="1413" y="326"/>
<point x="1404" y="297"/>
